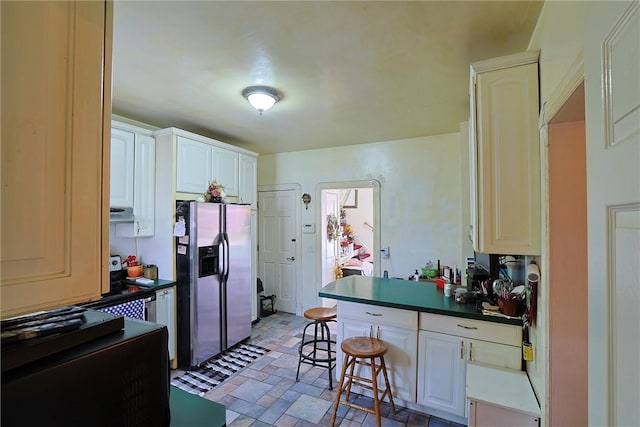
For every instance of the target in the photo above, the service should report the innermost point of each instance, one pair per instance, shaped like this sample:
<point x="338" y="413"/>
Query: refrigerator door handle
<point x="225" y="240"/>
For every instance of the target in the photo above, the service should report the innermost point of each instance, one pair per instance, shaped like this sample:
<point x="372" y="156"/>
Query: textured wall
<point x="420" y="195"/>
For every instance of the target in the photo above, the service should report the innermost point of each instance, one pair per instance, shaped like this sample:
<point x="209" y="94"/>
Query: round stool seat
<point x="367" y="352"/>
<point x="364" y="347"/>
<point x="321" y="313"/>
<point x="318" y="348"/>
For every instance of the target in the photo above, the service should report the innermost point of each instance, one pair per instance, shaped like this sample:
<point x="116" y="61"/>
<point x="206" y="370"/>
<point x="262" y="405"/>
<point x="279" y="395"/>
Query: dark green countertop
<point x="188" y="410"/>
<point x="126" y="296"/>
<point x="397" y="293"/>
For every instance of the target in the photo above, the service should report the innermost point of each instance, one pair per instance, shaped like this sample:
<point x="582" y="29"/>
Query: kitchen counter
<point x="404" y="294"/>
<point x="191" y="410"/>
<point x="126" y="296"/>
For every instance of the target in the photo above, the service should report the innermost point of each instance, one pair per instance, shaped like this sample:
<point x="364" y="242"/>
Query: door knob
<point x="291" y="258"/>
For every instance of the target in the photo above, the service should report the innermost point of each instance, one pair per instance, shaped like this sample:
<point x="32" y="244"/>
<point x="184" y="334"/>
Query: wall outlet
<point x="385" y="252"/>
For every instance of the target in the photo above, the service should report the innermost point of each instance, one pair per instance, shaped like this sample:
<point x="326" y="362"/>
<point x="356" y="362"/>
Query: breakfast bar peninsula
<point x="431" y="338"/>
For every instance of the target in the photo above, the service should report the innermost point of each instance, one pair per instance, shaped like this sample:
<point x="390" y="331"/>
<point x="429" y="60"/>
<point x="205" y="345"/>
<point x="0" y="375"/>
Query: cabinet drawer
<point x="476" y="329"/>
<point x="378" y="314"/>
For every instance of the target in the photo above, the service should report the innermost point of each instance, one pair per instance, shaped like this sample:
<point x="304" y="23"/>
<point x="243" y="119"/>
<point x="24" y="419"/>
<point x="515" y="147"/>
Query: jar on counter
<point x="462" y="295"/>
<point x="448" y="289"/>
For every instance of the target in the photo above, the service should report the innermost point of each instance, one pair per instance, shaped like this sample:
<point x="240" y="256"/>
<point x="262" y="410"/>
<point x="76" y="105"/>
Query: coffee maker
<point x="115" y="275"/>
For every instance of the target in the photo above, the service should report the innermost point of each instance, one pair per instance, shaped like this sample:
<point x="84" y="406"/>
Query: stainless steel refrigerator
<point x="213" y="262"/>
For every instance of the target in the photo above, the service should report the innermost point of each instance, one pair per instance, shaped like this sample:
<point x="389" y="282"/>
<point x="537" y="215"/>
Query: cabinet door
<point x="400" y="359"/>
<point x="507" y="170"/>
<point x="122" y="165"/>
<point x="166" y="315"/>
<point x="145" y="185"/>
<point x="441" y="372"/>
<point x="500" y="355"/>
<point x="143" y="189"/>
<point x="248" y="176"/>
<point x="56" y="107"/>
<point x="193" y="166"/>
<point x="225" y="169"/>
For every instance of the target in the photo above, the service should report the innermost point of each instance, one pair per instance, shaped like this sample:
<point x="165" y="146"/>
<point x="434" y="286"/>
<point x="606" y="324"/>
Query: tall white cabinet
<point x="504" y="151"/>
<point x="133" y="161"/>
<point x="185" y="165"/>
<point x="56" y="80"/>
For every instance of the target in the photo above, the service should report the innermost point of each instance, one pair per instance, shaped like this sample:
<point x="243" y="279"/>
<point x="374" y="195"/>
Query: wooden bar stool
<point x="318" y="349"/>
<point x="363" y="351"/>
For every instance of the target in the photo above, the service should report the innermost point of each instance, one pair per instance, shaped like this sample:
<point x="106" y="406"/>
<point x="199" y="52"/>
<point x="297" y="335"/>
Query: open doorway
<point x="349" y="221"/>
<point x="567" y="227"/>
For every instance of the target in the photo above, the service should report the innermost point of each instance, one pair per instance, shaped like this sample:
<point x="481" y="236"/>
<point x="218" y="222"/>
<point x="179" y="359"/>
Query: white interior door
<point x="612" y="92"/>
<point x="277" y="246"/>
<point x="329" y="250"/>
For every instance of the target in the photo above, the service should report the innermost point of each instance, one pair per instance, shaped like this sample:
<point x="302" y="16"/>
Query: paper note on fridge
<point x="182" y="250"/>
<point x="179" y="228"/>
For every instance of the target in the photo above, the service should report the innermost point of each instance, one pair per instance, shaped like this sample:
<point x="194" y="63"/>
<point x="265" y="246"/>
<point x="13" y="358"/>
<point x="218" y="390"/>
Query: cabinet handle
<point x="370" y="331"/>
<point x="471" y="351"/>
<point x="378" y="335"/>
<point x="467" y="327"/>
<point x="462" y="350"/>
<point x="373" y="314"/>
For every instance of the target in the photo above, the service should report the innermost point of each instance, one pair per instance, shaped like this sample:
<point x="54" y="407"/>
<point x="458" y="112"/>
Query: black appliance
<point x="115" y="275"/>
<point x="118" y="379"/>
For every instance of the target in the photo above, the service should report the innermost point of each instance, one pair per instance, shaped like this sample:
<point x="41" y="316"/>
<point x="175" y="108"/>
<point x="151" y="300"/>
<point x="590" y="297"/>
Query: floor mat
<point x="218" y="369"/>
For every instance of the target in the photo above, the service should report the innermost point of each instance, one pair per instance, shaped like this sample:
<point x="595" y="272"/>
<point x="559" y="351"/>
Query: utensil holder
<point x="511" y="307"/>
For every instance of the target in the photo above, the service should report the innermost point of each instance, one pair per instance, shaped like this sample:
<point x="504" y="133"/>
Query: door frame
<point x="548" y="111"/>
<point x="375" y="186"/>
<point x="297" y="217"/>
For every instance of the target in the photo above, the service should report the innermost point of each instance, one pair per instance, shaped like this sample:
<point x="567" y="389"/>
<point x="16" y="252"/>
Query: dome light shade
<point x="261" y="97"/>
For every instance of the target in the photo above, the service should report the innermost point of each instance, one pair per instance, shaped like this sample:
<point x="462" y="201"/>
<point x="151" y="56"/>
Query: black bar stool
<point x="363" y="351"/>
<point x="318" y="349"/>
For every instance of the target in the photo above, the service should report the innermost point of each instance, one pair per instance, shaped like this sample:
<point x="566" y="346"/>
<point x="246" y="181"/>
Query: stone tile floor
<point x="266" y="392"/>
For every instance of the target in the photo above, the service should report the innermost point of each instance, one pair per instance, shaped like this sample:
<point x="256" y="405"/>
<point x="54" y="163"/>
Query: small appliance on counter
<point x="115" y="275"/>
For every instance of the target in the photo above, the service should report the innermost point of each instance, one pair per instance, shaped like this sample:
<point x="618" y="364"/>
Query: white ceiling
<point x="349" y="72"/>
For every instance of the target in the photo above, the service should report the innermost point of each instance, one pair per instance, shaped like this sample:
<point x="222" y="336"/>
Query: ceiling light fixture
<point x="261" y="97"/>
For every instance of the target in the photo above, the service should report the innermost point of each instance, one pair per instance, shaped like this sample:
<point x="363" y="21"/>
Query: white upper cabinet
<point x="122" y="154"/>
<point x="56" y="114"/>
<point x="200" y="160"/>
<point x="505" y="159"/>
<point x="193" y="165"/>
<point x="248" y="189"/>
<point x="225" y="169"/>
<point x="144" y="186"/>
<point x="136" y="170"/>
<point x="141" y="170"/>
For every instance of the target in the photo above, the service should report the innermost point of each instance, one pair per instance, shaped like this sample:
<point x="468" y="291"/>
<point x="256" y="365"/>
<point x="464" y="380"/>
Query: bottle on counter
<point x="416" y="276"/>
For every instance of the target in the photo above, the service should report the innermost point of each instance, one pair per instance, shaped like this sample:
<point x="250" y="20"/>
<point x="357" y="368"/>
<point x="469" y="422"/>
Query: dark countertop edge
<point x="145" y="292"/>
<point x="423" y="309"/>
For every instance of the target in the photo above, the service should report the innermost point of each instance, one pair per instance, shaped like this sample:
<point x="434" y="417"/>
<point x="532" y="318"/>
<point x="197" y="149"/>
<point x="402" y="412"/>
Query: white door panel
<point x="612" y="107"/>
<point x="277" y="247"/>
<point x="329" y="248"/>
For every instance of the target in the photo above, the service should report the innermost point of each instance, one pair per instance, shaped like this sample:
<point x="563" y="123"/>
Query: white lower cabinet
<point x="446" y="344"/>
<point x="441" y="372"/>
<point x="166" y="315"/>
<point x="397" y="328"/>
